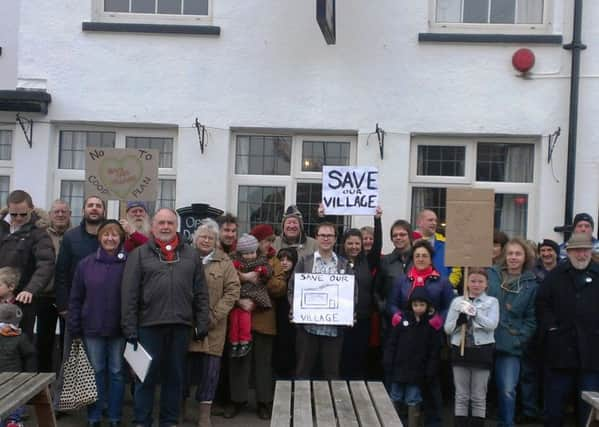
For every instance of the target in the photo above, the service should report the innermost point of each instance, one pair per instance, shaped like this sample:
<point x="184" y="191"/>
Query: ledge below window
<point x="490" y="38"/>
<point x="118" y="27"/>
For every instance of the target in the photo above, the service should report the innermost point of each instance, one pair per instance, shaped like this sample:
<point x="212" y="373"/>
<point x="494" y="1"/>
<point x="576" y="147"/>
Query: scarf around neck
<point x="418" y="277"/>
<point x="168" y="249"/>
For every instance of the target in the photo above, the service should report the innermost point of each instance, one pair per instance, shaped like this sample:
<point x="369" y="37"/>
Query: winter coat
<point x="17" y="354"/>
<point x="439" y="290"/>
<point x="95" y="301"/>
<point x="305" y="246"/>
<point x="77" y="243"/>
<point x="569" y="318"/>
<point x="517" y="321"/>
<point x="392" y="267"/>
<point x="412" y="351"/>
<point x="156" y="292"/>
<point x="29" y="250"/>
<point x="223" y="290"/>
<point x="483" y="323"/>
<point x="56" y="238"/>
<point x="264" y="321"/>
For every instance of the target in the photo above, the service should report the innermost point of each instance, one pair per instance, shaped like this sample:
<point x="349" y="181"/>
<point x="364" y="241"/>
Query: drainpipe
<point x="575" y="46"/>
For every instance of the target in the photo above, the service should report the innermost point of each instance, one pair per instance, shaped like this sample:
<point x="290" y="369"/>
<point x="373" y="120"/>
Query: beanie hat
<point x="10" y="313"/>
<point x="551" y="243"/>
<point x="583" y="217"/>
<point x="247" y="244"/>
<point x="137" y="204"/>
<point x="420" y="294"/>
<point x="262" y="231"/>
<point x="293" y="212"/>
<point x="115" y="224"/>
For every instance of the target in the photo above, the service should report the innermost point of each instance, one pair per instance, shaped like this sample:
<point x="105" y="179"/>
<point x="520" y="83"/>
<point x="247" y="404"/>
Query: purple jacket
<point x="95" y="301"/>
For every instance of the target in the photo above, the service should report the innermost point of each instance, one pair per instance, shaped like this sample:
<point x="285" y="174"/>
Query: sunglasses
<point x="16" y="214"/>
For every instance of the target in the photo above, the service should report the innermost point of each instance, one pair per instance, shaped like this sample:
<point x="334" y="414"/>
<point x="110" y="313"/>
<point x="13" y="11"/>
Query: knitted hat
<point x="419" y="293"/>
<point x="247" y="244"/>
<point x="583" y="217"/>
<point x="293" y="212"/>
<point x="580" y="241"/>
<point x="262" y="231"/>
<point x="551" y="243"/>
<point x="114" y="224"/>
<point x="137" y="204"/>
<point x="10" y="313"/>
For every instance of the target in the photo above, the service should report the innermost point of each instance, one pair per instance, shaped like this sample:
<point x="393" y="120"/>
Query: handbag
<point x="79" y="383"/>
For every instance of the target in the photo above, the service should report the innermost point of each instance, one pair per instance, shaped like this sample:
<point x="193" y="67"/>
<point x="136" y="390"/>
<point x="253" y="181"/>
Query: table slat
<point x="302" y="404"/>
<point x="343" y="404"/>
<point x="5" y="376"/>
<point x="323" y="405"/>
<point x="364" y="408"/>
<point x="592" y="398"/>
<point x="24" y="387"/>
<point x="281" y="407"/>
<point x="9" y="386"/>
<point x="383" y="405"/>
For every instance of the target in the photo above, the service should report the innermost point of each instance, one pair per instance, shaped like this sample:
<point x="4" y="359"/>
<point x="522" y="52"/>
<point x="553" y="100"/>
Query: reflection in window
<point x="433" y="198"/>
<point x="504" y="162"/>
<point x="316" y="154"/>
<point x="73" y="193"/>
<point x="163" y="145"/>
<point x="172" y="7"/>
<point x="167" y="191"/>
<point x="490" y="11"/>
<point x="511" y="211"/>
<point x="263" y="155"/>
<point x="259" y="205"/>
<point x="308" y="197"/>
<point x="441" y="160"/>
<point x="73" y="145"/>
<point x="5" y="145"/>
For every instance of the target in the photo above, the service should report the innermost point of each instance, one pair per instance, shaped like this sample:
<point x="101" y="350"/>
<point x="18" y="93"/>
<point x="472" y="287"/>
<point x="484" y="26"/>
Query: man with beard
<point x="569" y="320"/>
<point x="137" y="225"/>
<point x="227" y="232"/>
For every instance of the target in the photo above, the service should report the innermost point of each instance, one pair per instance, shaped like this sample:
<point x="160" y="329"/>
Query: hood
<point x="293" y="211"/>
<point x="39" y="217"/>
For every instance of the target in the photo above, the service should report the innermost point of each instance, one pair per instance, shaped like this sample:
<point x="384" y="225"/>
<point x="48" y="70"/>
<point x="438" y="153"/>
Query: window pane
<point x="429" y="198"/>
<point x="73" y="144"/>
<point x="505" y="162"/>
<point x="143" y="6"/>
<point x="167" y="191"/>
<point x="476" y="11"/>
<point x="169" y="6"/>
<point x="4" y="189"/>
<point x="530" y="11"/>
<point x="316" y="154"/>
<point x="308" y="197"/>
<point x="263" y="155"/>
<point x="73" y="193"/>
<point x="449" y="10"/>
<point x="5" y="145"/>
<point x="260" y="205"/>
<point x="510" y="213"/>
<point x="116" y="5"/>
<point x="163" y="145"/>
<point x="441" y="160"/>
<point x="195" y="7"/>
<point x="503" y="11"/>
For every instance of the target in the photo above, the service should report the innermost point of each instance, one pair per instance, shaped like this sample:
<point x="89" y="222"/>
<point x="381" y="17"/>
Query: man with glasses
<point x="164" y="297"/>
<point x="324" y="341"/>
<point x="25" y="245"/>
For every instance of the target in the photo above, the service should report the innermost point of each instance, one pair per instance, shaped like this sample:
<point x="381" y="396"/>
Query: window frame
<point x="546" y="27"/>
<point x="7" y="166"/>
<point x="99" y="15"/>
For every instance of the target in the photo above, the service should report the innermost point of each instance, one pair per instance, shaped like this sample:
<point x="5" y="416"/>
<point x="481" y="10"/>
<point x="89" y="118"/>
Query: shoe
<point x="527" y="419"/>
<point x="94" y="423"/>
<point x="232" y="409"/>
<point x="264" y="411"/>
<point x="244" y="349"/>
<point x="477" y="422"/>
<point x="234" y="350"/>
<point x="114" y="424"/>
<point x="217" y="410"/>
<point x="460" y="421"/>
<point x="204" y="416"/>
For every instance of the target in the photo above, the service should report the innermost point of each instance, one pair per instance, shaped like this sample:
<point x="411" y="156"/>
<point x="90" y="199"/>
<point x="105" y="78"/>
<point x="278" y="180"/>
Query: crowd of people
<point x="216" y="315"/>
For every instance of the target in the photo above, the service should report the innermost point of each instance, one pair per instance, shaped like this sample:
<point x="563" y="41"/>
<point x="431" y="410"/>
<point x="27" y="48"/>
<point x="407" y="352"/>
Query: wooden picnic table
<point x="20" y="388"/>
<point x="329" y="404"/>
<point x="592" y="398"/>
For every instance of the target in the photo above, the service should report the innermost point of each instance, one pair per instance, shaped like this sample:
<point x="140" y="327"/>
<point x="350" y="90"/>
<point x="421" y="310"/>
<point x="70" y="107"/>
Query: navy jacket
<point x="439" y="290"/>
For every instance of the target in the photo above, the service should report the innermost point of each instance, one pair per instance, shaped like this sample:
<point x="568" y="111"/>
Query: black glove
<point x="133" y="342"/>
<point x="199" y="333"/>
<point x="462" y="319"/>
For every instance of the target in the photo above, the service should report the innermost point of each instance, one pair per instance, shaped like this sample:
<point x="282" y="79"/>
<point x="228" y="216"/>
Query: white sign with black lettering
<point x="350" y="190"/>
<point x="323" y="299"/>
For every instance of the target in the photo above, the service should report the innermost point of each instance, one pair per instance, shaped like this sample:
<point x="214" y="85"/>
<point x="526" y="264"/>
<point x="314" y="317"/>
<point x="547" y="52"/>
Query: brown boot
<point x="414" y="416"/>
<point x="204" y="418"/>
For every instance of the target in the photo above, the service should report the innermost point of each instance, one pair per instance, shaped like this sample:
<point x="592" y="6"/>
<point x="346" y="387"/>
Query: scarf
<point x="418" y="277"/>
<point x="8" y="330"/>
<point x="168" y="248"/>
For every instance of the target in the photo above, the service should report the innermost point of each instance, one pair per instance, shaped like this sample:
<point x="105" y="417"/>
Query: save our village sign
<point x="350" y="190"/>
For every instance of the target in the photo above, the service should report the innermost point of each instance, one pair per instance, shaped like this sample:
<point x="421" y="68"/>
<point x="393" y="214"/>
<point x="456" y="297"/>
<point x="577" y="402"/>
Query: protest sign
<point x="469" y="235"/>
<point x="323" y="299"/>
<point x="121" y="174"/>
<point x="350" y="190"/>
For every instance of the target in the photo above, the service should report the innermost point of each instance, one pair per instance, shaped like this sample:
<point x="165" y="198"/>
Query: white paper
<point x="350" y="190"/>
<point x="139" y="360"/>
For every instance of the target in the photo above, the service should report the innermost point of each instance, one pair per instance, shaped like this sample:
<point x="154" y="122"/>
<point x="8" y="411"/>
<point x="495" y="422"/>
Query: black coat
<point x="412" y="351"/>
<point x="16" y="354"/>
<point x="392" y="266"/>
<point x="569" y="318"/>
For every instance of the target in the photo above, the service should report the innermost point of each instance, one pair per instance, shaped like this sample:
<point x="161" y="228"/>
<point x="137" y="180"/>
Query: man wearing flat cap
<point x="568" y="319"/>
<point x="582" y="223"/>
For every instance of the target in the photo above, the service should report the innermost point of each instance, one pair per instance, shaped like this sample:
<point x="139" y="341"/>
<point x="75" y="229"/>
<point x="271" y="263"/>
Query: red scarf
<point x="168" y="254"/>
<point x="418" y="277"/>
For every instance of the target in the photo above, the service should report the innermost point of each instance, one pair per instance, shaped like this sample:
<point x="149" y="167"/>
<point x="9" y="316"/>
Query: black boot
<point x="460" y="421"/>
<point x="477" y="422"/>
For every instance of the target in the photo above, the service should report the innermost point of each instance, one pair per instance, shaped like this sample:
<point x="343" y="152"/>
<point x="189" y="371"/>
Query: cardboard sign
<point x="469" y="233"/>
<point x="350" y="190"/>
<point x="323" y="299"/>
<point x="121" y="174"/>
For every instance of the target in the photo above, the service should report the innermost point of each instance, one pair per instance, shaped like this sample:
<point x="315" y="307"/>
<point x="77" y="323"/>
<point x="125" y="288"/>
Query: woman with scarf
<point x="514" y="285"/>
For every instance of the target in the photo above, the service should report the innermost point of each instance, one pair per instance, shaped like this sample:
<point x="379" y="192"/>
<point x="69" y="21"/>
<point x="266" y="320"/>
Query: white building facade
<point x="277" y="102"/>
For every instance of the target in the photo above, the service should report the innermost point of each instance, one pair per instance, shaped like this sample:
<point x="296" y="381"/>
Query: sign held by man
<point x="350" y="190"/>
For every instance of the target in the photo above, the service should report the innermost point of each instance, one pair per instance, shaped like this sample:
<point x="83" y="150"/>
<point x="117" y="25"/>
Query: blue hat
<point x="137" y="204"/>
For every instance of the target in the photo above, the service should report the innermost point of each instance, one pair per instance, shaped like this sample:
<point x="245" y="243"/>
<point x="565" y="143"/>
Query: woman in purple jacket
<point x="95" y="317"/>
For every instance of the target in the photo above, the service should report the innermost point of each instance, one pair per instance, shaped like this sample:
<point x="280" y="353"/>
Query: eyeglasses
<point x="206" y="237"/>
<point x="326" y="236"/>
<point x="22" y="215"/>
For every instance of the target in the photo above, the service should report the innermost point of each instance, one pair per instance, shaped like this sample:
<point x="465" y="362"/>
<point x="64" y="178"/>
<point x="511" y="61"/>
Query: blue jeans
<point x="106" y="353"/>
<point x="405" y="393"/>
<point x="558" y="388"/>
<point x="167" y="344"/>
<point x="507" y="374"/>
<point x="529" y="382"/>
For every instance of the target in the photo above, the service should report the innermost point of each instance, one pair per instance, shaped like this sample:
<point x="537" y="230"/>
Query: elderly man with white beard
<point x="137" y="225"/>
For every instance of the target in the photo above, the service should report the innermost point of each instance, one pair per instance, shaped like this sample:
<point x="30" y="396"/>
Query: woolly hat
<point x="419" y="293"/>
<point x="137" y="204"/>
<point x="583" y="217"/>
<point x="10" y="313"/>
<point x="293" y="212"/>
<point x="580" y="241"/>
<point x="262" y="231"/>
<point x="247" y="244"/>
<point x="551" y="243"/>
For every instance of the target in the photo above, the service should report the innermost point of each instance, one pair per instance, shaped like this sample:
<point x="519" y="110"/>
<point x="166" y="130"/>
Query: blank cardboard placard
<point x="469" y="233"/>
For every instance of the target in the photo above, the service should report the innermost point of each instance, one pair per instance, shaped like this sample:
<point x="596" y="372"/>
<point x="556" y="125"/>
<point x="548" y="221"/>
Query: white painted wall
<point x="9" y="23"/>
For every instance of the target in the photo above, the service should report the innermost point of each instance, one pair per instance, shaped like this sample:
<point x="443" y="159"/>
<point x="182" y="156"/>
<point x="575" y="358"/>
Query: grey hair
<point x="207" y="224"/>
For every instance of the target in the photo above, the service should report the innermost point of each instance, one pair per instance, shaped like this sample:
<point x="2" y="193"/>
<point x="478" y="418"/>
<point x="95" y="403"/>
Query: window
<point x="164" y="146"/>
<point x="73" y="145"/>
<point x="275" y="171"/>
<point x="153" y="11"/>
<point x="73" y="192"/>
<point x="507" y="166"/>
<point x="5" y="145"/>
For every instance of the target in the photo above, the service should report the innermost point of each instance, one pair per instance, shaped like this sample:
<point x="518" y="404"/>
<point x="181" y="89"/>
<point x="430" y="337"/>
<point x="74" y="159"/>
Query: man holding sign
<point x="322" y="334"/>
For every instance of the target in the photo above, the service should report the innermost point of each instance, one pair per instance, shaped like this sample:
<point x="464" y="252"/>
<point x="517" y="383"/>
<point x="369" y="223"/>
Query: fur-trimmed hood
<point x="39" y="217"/>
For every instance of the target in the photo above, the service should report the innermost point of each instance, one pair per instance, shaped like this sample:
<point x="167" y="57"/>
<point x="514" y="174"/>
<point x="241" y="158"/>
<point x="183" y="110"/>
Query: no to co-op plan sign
<point x="121" y="174"/>
<point x="350" y="190"/>
<point x="323" y="299"/>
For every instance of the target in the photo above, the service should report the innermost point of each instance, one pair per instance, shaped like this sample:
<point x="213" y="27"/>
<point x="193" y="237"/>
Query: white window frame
<point x="7" y="166"/>
<point x="471" y="144"/>
<point x="546" y="27"/>
<point x="99" y="15"/>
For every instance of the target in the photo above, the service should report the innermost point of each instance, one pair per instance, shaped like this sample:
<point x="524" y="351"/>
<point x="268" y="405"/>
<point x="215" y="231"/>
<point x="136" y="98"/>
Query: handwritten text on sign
<point x="323" y="299"/>
<point x="350" y="190"/>
<point x="121" y="174"/>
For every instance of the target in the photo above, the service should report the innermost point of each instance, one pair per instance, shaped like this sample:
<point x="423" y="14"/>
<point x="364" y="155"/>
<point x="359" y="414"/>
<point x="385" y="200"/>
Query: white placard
<point x="323" y="299"/>
<point x="350" y="190"/>
<point x="139" y="360"/>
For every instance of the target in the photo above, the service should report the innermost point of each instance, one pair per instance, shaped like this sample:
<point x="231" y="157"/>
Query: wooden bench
<point x="592" y="398"/>
<point x="17" y="389"/>
<point x="331" y="404"/>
